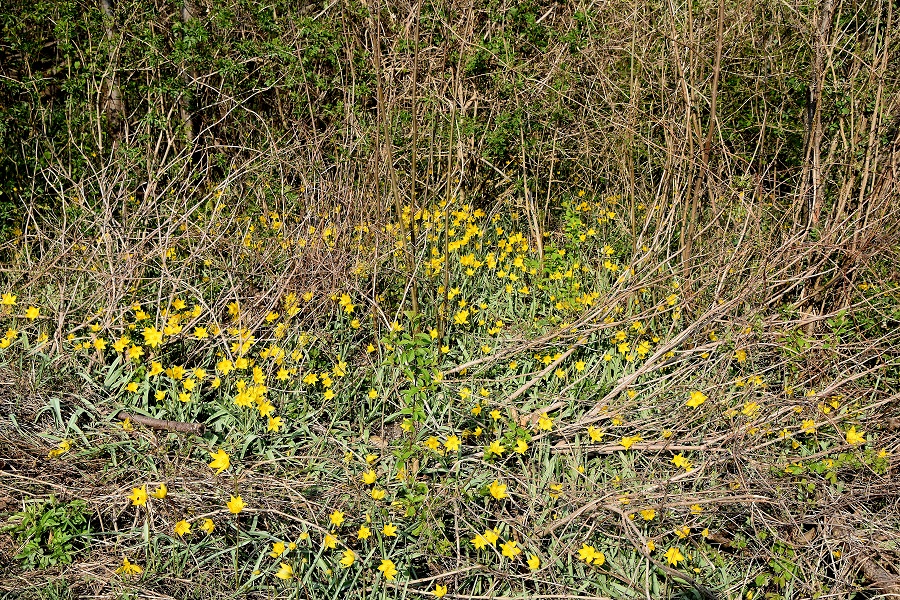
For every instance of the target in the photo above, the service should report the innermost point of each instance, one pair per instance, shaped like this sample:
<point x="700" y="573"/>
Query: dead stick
<point x="197" y="428"/>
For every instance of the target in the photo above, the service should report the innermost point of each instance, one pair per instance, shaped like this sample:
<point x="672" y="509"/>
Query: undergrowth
<point x="578" y="422"/>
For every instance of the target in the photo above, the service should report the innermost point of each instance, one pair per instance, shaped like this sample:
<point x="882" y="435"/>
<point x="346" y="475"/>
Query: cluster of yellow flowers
<point x="139" y="496"/>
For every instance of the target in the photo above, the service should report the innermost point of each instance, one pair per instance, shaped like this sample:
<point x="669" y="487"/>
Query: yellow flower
<point x="389" y="530"/>
<point x="498" y="490"/>
<point x="696" y="509"/>
<point x="152" y="336"/>
<point x="160" y="492"/>
<point x="278" y="549"/>
<point x="274" y="424"/>
<point x="586" y="553"/>
<point x="138" y="496"/>
<point x="808" y="426"/>
<point x="750" y="409"/>
<point x="521" y="446"/>
<point x="32" y="313"/>
<point x="336" y="518"/>
<point x="235" y="505"/>
<point x="674" y="556"/>
<point x="363" y="533"/>
<point x="452" y="443"/>
<point x="651" y="546"/>
<point x="369" y="477"/>
<point x="545" y="422"/>
<point x="208" y="526"/>
<point x="697" y="398"/>
<point x="182" y="528"/>
<point x="509" y="549"/>
<point x="683" y="532"/>
<point x="479" y="542"/>
<point x="439" y="591"/>
<point x="220" y="461"/>
<point x="388" y="569"/>
<point x="155" y="369"/>
<point x="589" y="554"/>
<point x="534" y="562"/>
<point x="348" y="558"/>
<point x="378" y="494"/>
<point x="555" y="489"/>
<point x="496" y="448"/>
<point x="9" y="299"/>
<point x="648" y="514"/>
<point x="201" y="333"/>
<point x="373" y="394"/>
<point x="854" y="437"/>
<point x="285" y="572"/>
<point x="329" y="542"/>
<point x="491" y="536"/>
<point x="129" y="568"/>
<point x="628" y="442"/>
<point x="595" y="433"/>
<point x="121" y="343"/>
<point x="680" y="461"/>
<point x="132" y="387"/>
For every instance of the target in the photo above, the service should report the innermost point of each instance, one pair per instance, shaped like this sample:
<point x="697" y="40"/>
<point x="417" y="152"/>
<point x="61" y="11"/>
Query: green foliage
<point x="53" y="533"/>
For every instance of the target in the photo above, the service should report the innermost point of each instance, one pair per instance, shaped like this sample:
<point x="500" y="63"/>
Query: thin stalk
<point x="412" y="168"/>
<point x="389" y="156"/>
<point x="442" y="321"/>
<point x="703" y="174"/>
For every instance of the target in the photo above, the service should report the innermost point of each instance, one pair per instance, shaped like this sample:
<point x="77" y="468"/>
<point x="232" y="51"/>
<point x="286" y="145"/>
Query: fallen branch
<point x="177" y="426"/>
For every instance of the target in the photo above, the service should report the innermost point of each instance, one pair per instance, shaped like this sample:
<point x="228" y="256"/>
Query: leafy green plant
<point x="52" y="533"/>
